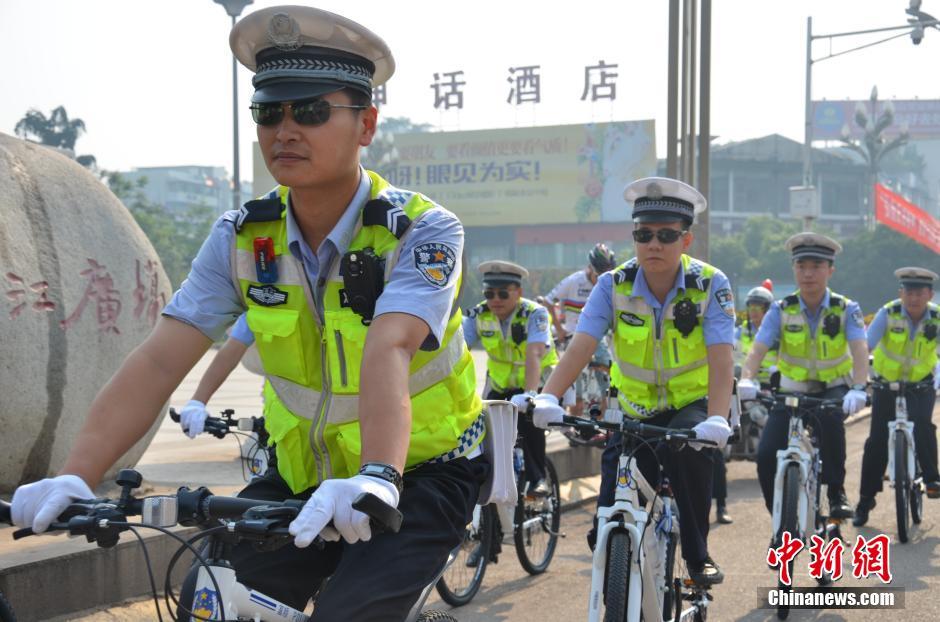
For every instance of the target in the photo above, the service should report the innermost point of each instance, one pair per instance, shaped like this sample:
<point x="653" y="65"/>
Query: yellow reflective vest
<point x="748" y="332"/>
<point x="657" y="367"/>
<point x="897" y="356"/>
<point x="821" y="357"/>
<point x="506" y="355"/>
<point x="312" y="362"/>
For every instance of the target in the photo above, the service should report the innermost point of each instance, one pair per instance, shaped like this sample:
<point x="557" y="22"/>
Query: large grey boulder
<point x="82" y="286"/>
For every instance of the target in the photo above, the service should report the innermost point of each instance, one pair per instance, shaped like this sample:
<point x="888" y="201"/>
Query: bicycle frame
<point x="803" y="452"/>
<point x="239" y="601"/>
<point x="901" y="425"/>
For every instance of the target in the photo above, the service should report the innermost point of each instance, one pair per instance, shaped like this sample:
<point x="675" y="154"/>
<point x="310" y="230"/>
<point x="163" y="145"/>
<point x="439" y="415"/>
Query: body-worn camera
<point x="831" y="326"/>
<point x="363" y="275"/>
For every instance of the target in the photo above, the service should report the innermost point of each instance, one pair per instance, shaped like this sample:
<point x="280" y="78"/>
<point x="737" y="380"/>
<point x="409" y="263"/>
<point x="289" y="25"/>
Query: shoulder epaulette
<point x="383" y="213"/>
<point x="626" y="273"/>
<point x="789" y="301"/>
<point x="835" y="300"/>
<point x="895" y="307"/>
<point x="476" y="310"/>
<point x="259" y="210"/>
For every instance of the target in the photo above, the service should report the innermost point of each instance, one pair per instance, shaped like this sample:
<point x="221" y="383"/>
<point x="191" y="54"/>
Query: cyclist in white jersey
<point x="566" y="301"/>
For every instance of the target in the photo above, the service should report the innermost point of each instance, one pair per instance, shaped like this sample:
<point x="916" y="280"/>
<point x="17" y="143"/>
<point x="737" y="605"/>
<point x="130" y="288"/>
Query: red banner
<point x="892" y="210"/>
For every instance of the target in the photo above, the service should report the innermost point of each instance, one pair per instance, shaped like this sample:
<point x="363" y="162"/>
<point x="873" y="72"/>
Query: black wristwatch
<point x="380" y="470"/>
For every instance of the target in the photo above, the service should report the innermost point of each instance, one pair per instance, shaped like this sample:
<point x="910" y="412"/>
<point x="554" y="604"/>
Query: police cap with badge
<point x="913" y="277"/>
<point x="500" y="273"/>
<point x="662" y="200"/>
<point x="299" y="52"/>
<point x="808" y="245"/>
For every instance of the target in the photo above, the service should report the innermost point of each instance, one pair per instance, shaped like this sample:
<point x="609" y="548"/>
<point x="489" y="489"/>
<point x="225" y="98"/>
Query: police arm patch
<point x="725" y="300"/>
<point x="267" y="295"/>
<point x="858" y="318"/>
<point x="435" y="262"/>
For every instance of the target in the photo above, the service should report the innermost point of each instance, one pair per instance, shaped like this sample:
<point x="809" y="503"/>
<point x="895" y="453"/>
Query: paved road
<point x="510" y="594"/>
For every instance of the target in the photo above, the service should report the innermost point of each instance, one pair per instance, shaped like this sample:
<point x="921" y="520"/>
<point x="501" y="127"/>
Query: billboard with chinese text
<point x="535" y="175"/>
<point x="920" y="116"/>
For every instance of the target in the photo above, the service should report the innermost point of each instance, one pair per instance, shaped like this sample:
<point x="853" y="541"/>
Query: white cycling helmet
<point x="760" y="295"/>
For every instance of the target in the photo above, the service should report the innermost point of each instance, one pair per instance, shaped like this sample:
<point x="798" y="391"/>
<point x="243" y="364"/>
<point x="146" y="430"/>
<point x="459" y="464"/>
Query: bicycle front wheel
<point x="537" y="521"/>
<point x="617" y="581"/>
<point x="789" y="521"/>
<point x="462" y="579"/>
<point x="902" y="485"/>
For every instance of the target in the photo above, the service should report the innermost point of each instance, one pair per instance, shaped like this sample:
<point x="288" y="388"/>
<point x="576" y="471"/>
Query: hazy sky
<point x="152" y="79"/>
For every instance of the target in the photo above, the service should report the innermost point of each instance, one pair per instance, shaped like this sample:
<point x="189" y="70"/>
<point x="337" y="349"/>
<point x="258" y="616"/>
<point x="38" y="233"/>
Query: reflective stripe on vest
<point x="505" y="361"/>
<point x="657" y="369"/>
<point x="897" y="356"/>
<point x="803" y="357"/>
<point x="312" y="363"/>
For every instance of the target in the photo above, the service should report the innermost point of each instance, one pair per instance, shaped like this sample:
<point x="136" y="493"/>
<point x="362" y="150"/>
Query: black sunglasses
<point x="310" y="112"/>
<point x="665" y="236"/>
<point x="489" y="294"/>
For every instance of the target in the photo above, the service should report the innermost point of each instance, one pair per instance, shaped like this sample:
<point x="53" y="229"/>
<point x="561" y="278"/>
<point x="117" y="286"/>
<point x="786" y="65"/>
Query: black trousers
<point x="830" y="432"/>
<point x="720" y="478"/>
<point x="875" y="459"/>
<point x="376" y="580"/>
<point x="532" y="439"/>
<point x="689" y="472"/>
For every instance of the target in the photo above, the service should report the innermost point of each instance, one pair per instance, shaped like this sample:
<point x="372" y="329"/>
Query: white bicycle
<point x="633" y="574"/>
<point x="903" y="471"/>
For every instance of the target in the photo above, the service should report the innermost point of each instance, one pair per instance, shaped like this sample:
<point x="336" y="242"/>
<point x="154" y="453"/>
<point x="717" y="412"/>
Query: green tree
<point x="176" y="237"/>
<point x="56" y="130"/>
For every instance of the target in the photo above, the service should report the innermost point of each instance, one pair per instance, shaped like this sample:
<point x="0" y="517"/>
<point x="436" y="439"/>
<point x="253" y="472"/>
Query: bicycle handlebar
<point x="638" y="428"/>
<point x="219" y="427"/>
<point x="255" y="519"/>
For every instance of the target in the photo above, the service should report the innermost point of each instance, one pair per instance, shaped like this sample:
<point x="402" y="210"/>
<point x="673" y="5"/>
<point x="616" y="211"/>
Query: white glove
<point x="715" y="429"/>
<point x="333" y="501"/>
<point x="193" y="418"/>
<point x="936" y="377"/>
<point x="521" y="400"/>
<point x="547" y="410"/>
<point x="747" y="389"/>
<point x="853" y="401"/>
<point x="38" y="504"/>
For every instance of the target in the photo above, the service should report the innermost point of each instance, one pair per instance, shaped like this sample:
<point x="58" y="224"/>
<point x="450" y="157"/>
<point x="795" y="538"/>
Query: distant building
<point x="753" y="178"/>
<point x="180" y="187"/>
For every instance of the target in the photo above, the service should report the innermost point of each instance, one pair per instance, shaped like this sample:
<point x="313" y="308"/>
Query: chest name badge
<point x="265" y="260"/>
<point x="267" y="295"/>
<point x="631" y="319"/>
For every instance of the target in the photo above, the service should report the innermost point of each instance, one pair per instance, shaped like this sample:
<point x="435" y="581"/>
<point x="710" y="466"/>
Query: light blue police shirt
<point x="241" y="332"/>
<point x="537" y="328"/>
<point x="598" y="313"/>
<point x="209" y="301"/>
<point x="769" y="331"/>
<point x="877" y="328"/>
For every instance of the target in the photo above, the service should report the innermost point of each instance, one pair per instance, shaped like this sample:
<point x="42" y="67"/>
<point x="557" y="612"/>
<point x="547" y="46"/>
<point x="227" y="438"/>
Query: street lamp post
<point x="914" y="28"/>
<point x="234" y="8"/>
<point x="873" y="147"/>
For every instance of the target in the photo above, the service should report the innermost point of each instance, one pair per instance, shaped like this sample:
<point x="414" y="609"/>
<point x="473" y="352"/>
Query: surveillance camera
<point x="917" y="34"/>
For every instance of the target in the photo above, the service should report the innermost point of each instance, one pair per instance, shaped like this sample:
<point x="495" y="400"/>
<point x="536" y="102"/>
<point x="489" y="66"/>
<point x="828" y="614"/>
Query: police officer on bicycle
<point x="672" y="319"/>
<point x="822" y="353"/>
<point x="903" y="338"/>
<point x="514" y="331"/>
<point x="350" y="287"/>
<point x="568" y="298"/>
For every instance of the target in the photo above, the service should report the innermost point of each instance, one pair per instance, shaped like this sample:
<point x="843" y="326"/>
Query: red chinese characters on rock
<point x="871" y="557"/>
<point x="100" y="288"/>
<point x="784" y="554"/>
<point x="19" y="295"/>
<point x="147" y="294"/>
<point x="825" y="557"/>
